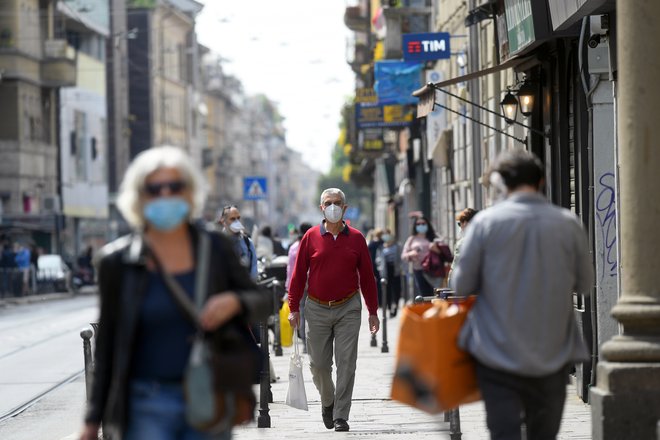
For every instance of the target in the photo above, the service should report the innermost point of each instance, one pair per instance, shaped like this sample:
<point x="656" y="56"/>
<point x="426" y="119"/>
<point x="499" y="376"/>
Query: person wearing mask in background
<point x="229" y="219"/>
<point x="144" y="339"/>
<point x="462" y="220"/>
<point x="415" y="249"/>
<point x="389" y="264"/>
<point x="293" y="253"/>
<point x="524" y="258"/>
<point x="333" y="263"/>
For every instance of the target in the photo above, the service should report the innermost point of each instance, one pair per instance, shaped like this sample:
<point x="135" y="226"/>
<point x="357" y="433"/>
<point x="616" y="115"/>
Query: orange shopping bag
<point x="432" y="373"/>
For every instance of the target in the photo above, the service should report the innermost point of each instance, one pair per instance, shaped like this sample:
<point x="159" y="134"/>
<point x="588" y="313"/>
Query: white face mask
<point x="333" y="213"/>
<point x="236" y="227"/>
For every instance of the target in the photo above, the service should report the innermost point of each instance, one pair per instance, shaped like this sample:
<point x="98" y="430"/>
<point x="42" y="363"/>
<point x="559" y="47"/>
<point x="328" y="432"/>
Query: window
<point x="81" y="150"/>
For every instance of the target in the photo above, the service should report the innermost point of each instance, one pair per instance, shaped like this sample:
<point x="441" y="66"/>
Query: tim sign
<point x="425" y="47"/>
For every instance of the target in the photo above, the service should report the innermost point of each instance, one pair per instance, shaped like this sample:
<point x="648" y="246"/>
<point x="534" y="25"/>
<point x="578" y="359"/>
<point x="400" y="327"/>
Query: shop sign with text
<point x="383" y="115"/>
<point x="426" y="46"/>
<point x="523" y="25"/>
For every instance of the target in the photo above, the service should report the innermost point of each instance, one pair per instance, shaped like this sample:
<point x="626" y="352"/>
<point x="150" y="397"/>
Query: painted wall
<point x="83" y="156"/>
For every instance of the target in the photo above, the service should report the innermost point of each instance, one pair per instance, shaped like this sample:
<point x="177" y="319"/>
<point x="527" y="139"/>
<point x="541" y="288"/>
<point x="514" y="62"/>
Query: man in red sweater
<point x="333" y="261"/>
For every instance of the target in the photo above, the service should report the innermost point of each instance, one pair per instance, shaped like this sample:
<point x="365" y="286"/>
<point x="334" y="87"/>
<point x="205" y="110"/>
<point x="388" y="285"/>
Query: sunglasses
<point x="156" y="188"/>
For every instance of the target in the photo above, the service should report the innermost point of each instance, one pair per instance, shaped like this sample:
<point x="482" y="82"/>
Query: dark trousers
<point x="423" y="286"/>
<point x="393" y="287"/>
<point x="512" y="400"/>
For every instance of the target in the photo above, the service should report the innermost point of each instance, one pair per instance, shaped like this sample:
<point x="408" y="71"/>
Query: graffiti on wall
<point x="606" y="217"/>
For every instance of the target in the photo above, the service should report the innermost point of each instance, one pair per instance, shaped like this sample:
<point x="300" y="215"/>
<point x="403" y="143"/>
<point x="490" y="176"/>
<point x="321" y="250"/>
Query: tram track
<point x="24" y="406"/>
<point x="42" y="352"/>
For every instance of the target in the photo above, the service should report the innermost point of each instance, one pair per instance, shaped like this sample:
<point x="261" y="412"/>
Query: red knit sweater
<point x="333" y="268"/>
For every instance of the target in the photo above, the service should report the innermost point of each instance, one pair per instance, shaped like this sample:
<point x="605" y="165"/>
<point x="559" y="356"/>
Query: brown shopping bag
<point x="432" y="373"/>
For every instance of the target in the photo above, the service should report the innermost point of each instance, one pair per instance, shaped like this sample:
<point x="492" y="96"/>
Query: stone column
<point x="626" y="399"/>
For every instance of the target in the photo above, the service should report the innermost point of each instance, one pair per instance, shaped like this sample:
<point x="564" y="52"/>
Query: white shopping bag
<point x="296" y="396"/>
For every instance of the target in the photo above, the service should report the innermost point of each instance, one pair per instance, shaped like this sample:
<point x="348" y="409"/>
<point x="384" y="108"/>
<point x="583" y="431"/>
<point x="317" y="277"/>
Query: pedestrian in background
<point x="229" y="219"/>
<point x="462" y="220"/>
<point x="8" y="267"/>
<point x="389" y="264"/>
<point x="524" y="258"/>
<point x="416" y="248"/>
<point x="264" y="245"/>
<point x="23" y="263"/>
<point x="375" y="244"/>
<point x="333" y="262"/>
<point x="144" y="338"/>
<point x="292" y="254"/>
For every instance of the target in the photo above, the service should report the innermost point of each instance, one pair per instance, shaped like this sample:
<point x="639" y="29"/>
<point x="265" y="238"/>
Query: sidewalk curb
<point x="44" y="297"/>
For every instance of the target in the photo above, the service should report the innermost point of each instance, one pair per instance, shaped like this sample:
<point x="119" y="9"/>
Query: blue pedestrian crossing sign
<point x="255" y="188"/>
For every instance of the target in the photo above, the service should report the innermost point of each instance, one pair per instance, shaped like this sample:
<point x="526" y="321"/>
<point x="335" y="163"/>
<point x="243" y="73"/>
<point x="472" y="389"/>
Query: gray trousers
<point x="339" y="325"/>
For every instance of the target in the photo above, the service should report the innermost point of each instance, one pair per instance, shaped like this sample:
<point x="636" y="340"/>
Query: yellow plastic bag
<point x="286" y="331"/>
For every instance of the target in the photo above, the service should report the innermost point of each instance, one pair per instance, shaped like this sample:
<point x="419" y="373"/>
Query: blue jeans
<point x="156" y="412"/>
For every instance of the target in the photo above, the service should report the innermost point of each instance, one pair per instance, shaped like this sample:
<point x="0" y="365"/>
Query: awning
<point x="426" y="94"/>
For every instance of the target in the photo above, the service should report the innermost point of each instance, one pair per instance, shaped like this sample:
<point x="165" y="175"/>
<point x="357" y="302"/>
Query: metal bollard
<point x="383" y="283"/>
<point x="277" y="342"/>
<point x="86" y="335"/>
<point x="263" y="420"/>
<point x="455" y="424"/>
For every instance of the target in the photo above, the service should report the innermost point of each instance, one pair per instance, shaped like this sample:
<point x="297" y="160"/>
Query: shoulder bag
<point x="218" y="377"/>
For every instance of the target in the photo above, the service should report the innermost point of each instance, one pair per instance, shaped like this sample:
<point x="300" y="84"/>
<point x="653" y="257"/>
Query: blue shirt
<point x="247" y="256"/>
<point x="164" y="334"/>
<point x="23" y="259"/>
<point x="524" y="257"/>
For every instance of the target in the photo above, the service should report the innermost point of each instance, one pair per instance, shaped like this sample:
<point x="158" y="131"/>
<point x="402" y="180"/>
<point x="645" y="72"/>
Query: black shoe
<point x="341" y="425"/>
<point x="326" y="413"/>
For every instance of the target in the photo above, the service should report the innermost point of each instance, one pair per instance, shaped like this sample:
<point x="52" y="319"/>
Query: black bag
<point x="222" y="365"/>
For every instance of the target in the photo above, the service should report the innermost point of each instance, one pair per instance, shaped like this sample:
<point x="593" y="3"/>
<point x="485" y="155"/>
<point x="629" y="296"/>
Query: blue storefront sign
<point x="426" y="46"/>
<point x="396" y="80"/>
<point x="255" y="188"/>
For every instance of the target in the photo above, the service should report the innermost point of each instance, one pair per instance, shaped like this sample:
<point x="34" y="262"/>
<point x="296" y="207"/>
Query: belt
<point x="334" y="302"/>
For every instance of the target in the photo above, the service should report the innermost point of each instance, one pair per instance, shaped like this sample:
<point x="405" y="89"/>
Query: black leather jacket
<point x="122" y="276"/>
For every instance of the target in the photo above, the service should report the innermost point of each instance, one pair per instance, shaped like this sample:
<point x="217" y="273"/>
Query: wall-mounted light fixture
<point x="509" y="107"/>
<point x="525" y="93"/>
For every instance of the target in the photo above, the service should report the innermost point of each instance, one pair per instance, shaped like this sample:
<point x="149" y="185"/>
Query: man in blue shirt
<point x="524" y="258"/>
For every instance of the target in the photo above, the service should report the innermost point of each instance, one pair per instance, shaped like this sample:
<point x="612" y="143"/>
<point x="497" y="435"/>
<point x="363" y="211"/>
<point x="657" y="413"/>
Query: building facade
<point x="35" y="62"/>
<point x="559" y="54"/>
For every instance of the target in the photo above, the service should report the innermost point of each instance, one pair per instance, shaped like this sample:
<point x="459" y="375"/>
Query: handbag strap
<point x="189" y="308"/>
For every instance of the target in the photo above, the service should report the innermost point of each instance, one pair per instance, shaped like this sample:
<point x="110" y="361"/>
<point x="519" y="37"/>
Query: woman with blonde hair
<point x="144" y="339"/>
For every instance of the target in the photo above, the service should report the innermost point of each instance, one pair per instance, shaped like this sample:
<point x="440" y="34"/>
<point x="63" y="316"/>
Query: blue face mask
<point x="421" y="229"/>
<point x="166" y="213"/>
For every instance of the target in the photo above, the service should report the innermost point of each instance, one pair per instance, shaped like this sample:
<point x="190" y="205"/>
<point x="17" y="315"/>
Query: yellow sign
<point x="397" y="113"/>
<point x="366" y="95"/>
